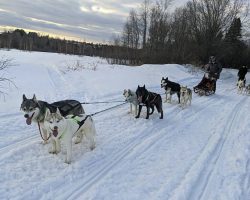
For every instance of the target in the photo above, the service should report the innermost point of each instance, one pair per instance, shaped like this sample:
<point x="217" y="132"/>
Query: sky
<point x="83" y="20"/>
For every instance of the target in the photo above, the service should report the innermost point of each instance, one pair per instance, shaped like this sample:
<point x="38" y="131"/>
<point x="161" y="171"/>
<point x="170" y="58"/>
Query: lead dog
<point x="170" y="89"/>
<point x="149" y="99"/>
<point x="185" y="96"/>
<point x="34" y="111"/>
<point x="64" y="129"/>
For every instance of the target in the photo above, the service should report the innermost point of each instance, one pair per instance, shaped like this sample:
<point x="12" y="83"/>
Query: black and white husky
<point x="35" y="111"/>
<point x="186" y="96"/>
<point x="65" y="128"/>
<point x="170" y="88"/>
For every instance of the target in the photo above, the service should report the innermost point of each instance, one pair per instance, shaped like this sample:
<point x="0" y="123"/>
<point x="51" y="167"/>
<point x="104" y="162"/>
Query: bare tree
<point x="5" y="63"/>
<point x="209" y="20"/>
<point x="144" y="13"/>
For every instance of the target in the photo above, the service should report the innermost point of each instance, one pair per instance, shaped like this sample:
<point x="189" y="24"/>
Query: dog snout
<point x="55" y="127"/>
<point x="26" y="116"/>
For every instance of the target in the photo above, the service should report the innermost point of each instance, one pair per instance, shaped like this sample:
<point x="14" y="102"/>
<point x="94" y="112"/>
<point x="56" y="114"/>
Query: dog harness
<point x="77" y="120"/>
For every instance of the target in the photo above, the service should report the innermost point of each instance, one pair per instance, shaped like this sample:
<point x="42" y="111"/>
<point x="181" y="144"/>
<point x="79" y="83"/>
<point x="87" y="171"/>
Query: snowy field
<point x="198" y="153"/>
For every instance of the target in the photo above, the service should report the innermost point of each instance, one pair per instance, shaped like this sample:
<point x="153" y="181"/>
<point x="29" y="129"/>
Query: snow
<point x="201" y="152"/>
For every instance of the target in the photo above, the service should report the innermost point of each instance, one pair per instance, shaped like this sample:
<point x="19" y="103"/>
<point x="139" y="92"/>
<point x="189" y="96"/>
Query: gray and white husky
<point x="131" y="97"/>
<point x="65" y="128"/>
<point x="185" y="96"/>
<point x="35" y="111"/>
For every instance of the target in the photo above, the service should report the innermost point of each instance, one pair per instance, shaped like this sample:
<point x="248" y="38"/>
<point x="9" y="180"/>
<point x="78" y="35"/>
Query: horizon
<point x="84" y="21"/>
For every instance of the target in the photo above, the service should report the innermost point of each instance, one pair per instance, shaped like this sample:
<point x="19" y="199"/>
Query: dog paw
<point x="92" y="147"/>
<point x="67" y="161"/>
<point x="136" y="117"/>
<point x="77" y="141"/>
<point x="52" y="152"/>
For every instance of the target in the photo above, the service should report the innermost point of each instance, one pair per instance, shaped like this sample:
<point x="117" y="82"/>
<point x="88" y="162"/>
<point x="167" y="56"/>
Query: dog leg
<point x="79" y="137"/>
<point x="69" y="152"/>
<point x="58" y="146"/>
<point x="130" y="108"/>
<point x="139" y="112"/>
<point x="136" y="110"/>
<point x="90" y="134"/>
<point x="178" y="94"/>
<point x="147" y="112"/>
<point x="53" y="146"/>
<point x="45" y="136"/>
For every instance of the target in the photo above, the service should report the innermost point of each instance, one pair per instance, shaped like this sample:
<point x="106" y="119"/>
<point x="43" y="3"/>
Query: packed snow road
<point x="200" y="152"/>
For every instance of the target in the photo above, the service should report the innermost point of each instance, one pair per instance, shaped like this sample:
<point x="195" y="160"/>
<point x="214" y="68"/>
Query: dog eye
<point x="57" y="121"/>
<point x="50" y="122"/>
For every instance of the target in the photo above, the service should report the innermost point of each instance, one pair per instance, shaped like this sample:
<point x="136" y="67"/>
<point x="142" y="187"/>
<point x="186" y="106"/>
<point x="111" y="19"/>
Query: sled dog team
<point x="65" y="120"/>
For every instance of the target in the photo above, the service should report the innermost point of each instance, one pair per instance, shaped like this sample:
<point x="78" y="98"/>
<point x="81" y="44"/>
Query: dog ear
<point x="24" y="97"/>
<point x="58" y="112"/>
<point x="34" y="98"/>
<point x="129" y="91"/>
<point x="144" y="86"/>
<point x="47" y="113"/>
<point x="167" y="78"/>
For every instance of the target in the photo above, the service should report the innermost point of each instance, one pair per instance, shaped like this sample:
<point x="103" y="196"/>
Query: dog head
<point x="31" y="108"/>
<point x="127" y="94"/>
<point x="184" y="90"/>
<point x="164" y="82"/>
<point x="141" y="92"/>
<point x="54" y="122"/>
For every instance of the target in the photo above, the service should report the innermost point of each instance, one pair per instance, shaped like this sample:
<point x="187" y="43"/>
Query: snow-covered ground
<point x="201" y="152"/>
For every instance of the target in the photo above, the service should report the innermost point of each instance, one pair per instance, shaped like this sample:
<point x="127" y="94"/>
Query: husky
<point x="240" y="86"/>
<point x="247" y="90"/>
<point x="150" y="99"/>
<point x="64" y="128"/>
<point x="170" y="88"/>
<point x="131" y="97"/>
<point x="186" y="95"/>
<point x="35" y="111"/>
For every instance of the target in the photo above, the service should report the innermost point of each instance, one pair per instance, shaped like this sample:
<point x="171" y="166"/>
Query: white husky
<point x="186" y="95"/>
<point x="131" y="97"/>
<point x="240" y="85"/>
<point x="64" y="129"/>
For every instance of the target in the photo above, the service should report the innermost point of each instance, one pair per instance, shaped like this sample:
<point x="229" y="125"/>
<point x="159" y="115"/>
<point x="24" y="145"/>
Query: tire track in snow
<point x="198" y="178"/>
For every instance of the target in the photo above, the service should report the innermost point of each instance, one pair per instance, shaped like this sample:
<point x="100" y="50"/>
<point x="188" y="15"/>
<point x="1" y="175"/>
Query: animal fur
<point x="64" y="129"/>
<point x="34" y="111"/>
<point x="149" y="99"/>
<point x="170" y="89"/>
<point x="186" y="96"/>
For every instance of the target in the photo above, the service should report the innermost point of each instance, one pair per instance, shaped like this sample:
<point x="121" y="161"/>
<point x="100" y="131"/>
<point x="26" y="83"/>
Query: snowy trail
<point x="203" y="172"/>
<point x="200" y="152"/>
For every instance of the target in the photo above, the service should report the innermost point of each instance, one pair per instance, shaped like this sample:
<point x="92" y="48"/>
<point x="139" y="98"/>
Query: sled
<point x="206" y="86"/>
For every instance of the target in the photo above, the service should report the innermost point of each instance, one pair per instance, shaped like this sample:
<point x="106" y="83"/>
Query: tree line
<point x="153" y="34"/>
<point x="190" y="34"/>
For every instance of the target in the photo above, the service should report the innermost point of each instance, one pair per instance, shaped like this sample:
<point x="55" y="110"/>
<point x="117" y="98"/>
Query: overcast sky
<point x="85" y="20"/>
